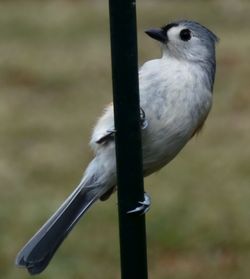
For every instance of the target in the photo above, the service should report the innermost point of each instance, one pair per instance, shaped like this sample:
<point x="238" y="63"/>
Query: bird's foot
<point x="144" y="122"/>
<point x="143" y="206"/>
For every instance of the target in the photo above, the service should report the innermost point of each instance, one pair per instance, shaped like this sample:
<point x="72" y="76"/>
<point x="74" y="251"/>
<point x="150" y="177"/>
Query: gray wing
<point x="104" y="131"/>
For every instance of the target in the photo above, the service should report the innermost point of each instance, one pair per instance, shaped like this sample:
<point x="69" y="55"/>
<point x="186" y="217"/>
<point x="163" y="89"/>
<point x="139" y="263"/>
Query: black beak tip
<point x="157" y="34"/>
<point x="147" y="31"/>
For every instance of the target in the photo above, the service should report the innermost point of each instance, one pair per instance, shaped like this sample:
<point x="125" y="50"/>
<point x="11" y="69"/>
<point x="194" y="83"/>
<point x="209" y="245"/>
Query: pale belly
<point x="170" y="127"/>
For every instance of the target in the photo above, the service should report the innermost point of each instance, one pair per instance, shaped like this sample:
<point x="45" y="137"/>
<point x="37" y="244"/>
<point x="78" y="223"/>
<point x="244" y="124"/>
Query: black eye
<point x="185" y="35"/>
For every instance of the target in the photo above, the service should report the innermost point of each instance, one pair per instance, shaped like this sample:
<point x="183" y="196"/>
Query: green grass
<point x="55" y="80"/>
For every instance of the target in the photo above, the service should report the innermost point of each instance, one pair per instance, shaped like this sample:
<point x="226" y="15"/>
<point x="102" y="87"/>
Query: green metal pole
<point x="128" y="137"/>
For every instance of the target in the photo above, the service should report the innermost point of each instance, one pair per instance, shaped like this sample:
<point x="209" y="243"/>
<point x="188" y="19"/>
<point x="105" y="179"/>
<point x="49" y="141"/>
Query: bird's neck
<point x="206" y="67"/>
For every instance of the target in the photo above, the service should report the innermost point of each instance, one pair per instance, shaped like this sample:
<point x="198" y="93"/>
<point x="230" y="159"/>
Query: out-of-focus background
<point x="54" y="82"/>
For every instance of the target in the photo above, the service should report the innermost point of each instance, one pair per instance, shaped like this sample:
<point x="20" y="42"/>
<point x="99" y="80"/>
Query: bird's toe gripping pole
<point x="142" y="207"/>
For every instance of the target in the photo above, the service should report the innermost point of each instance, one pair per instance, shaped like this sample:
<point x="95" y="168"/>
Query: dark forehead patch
<point x="169" y="26"/>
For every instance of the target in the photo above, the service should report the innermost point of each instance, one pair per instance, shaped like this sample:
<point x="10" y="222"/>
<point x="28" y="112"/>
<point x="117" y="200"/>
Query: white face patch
<point x="191" y="49"/>
<point x="174" y="33"/>
<point x="175" y="45"/>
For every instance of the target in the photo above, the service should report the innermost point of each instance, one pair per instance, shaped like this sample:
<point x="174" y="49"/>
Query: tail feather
<point x="38" y="252"/>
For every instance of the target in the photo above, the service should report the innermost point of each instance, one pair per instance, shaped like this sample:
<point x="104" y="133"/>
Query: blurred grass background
<point x="55" y="80"/>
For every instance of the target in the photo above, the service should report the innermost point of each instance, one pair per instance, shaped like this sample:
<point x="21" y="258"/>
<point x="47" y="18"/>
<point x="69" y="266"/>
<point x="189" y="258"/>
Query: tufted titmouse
<point x="175" y="99"/>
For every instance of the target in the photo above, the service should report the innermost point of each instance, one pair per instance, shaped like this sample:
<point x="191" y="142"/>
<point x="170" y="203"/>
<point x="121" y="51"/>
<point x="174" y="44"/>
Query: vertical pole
<point x="128" y="137"/>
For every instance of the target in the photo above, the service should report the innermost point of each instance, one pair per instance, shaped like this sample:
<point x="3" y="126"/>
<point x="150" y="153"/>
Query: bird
<point x="176" y="93"/>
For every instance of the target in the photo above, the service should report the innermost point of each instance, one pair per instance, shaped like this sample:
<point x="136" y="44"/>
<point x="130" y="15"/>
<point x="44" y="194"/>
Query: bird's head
<point x="186" y="40"/>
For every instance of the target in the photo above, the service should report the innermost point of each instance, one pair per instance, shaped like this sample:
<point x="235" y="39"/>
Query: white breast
<point x="175" y="102"/>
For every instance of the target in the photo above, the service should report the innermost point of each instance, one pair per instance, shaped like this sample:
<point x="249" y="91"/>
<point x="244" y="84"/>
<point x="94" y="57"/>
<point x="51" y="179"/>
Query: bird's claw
<point x="110" y="134"/>
<point x="144" y="122"/>
<point x="143" y="206"/>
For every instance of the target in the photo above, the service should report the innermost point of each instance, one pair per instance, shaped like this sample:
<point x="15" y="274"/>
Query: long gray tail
<point x="38" y="252"/>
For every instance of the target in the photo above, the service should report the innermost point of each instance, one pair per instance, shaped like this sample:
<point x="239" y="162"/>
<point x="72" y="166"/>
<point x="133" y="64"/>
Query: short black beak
<point x="157" y="34"/>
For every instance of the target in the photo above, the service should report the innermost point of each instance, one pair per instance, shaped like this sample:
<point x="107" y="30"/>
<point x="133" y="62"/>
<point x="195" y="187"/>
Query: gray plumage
<point x="208" y="39"/>
<point x="176" y="96"/>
